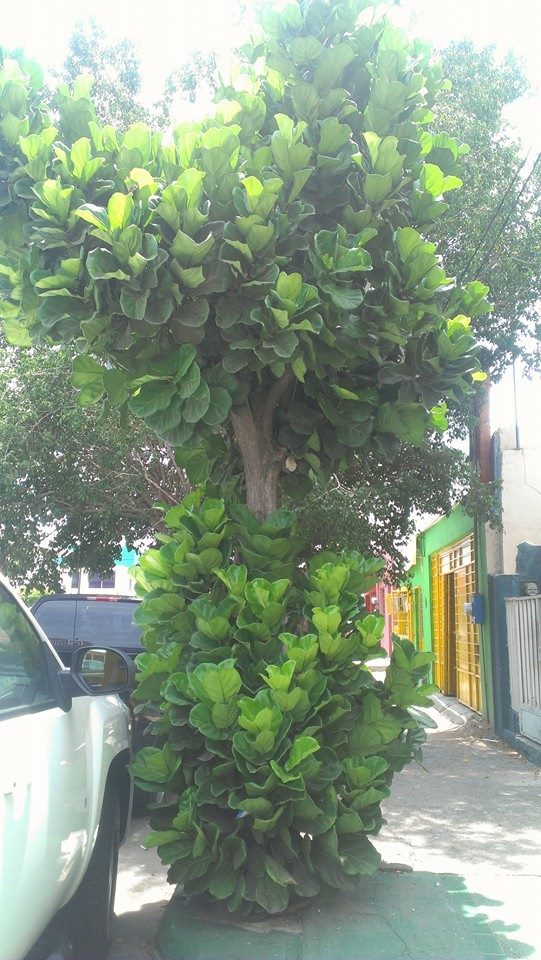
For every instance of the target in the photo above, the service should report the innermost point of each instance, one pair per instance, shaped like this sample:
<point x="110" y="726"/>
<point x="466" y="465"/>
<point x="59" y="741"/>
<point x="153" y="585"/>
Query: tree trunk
<point x="262" y="463"/>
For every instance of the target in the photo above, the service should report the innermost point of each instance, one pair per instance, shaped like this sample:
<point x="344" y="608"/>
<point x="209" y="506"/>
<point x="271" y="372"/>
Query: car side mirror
<point x="98" y="671"/>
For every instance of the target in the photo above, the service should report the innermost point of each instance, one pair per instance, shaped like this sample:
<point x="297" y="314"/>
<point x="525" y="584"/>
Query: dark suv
<point x="73" y="620"/>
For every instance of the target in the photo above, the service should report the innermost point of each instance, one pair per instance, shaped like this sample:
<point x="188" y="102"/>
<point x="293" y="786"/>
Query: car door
<point x="43" y="784"/>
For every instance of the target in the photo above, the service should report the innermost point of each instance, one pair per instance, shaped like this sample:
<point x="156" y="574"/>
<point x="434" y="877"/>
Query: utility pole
<point x="515" y="405"/>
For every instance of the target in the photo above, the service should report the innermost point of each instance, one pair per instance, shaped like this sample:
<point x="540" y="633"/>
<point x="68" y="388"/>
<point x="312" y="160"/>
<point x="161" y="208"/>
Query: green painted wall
<point x="443" y="533"/>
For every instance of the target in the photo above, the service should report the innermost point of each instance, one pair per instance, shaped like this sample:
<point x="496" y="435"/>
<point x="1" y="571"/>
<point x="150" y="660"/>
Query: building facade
<point x="118" y="582"/>
<point x="432" y="608"/>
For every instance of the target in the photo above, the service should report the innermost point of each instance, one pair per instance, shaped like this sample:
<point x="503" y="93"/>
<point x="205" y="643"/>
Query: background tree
<point x="73" y="484"/>
<point x="195" y="78"/>
<point x="374" y="507"/>
<point x="492" y="229"/>
<point x="115" y="70"/>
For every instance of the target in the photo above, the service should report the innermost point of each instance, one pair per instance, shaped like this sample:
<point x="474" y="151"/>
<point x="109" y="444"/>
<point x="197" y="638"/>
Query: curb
<point x="454" y="711"/>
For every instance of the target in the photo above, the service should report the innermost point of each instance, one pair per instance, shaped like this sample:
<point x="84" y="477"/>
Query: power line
<point x="491" y="220"/>
<point x="511" y="210"/>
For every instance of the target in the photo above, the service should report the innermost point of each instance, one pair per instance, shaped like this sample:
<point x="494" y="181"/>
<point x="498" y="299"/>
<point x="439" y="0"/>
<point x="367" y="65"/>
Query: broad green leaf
<point x="86" y="371"/>
<point x="183" y="360"/>
<point x="407" y="239"/>
<point x="432" y="179"/>
<point x="16" y="333"/>
<point x="333" y="136"/>
<point x="219" y="406"/>
<point x="102" y="265"/>
<point x="114" y="382"/>
<point x="119" y="210"/>
<point x="361" y="857"/>
<point x="302" y="747"/>
<point x="188" y="252"/>
<point x="193" y="313"/>
<point x="272" y="896"/>
<point x="377" y="186"/>
<point x="190" y="380"/>
<point x="151" y="398"/>
<point x="331" y="66"/>
<point x="91" y="393"/>
<point x="197" y="403"/>
<point x="305" y="49"/>
<point x="217" y="683"/>
<point x="134" y="302"/>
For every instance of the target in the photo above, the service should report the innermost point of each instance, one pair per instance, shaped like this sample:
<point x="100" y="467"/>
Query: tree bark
<point x="262" y="460"/>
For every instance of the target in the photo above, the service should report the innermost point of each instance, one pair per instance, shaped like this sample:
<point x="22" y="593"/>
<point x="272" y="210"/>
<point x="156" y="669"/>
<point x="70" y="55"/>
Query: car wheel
<point x="90" y="912"/>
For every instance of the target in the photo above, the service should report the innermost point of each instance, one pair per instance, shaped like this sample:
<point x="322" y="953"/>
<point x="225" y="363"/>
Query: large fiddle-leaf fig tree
<point x="257" y="288"/>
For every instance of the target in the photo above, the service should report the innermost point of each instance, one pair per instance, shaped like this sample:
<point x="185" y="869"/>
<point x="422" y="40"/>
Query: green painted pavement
<point x="419" y="916"/>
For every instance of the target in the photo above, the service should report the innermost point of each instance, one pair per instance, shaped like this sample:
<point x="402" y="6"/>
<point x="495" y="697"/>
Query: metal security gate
<point x="455" y="637"/>
<point x="523" y="616"/>
<point x="404" y="607"/>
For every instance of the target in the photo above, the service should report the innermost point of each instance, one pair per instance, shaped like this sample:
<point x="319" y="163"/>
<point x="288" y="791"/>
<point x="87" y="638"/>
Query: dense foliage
<point x="374" y="506"/>
<point x="280" y="744"/>
<point x="73" y="485"/>
<point x="266" y="273"/>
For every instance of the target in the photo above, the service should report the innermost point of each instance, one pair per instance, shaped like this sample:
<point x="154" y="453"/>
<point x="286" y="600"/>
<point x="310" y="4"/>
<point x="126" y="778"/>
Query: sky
<point x="163" y="31"/>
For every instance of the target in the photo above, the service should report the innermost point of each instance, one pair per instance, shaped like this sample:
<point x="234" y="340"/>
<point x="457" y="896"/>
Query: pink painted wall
<point x="375" y="602"/>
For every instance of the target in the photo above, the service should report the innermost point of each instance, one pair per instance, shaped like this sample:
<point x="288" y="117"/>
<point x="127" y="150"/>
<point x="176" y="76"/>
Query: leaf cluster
<point x="287" y="233"/>
<point x="279" y="743"/>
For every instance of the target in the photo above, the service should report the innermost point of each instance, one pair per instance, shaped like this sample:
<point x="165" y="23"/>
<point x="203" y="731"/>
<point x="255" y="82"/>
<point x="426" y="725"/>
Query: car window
<point x="57" y="619"/>
<point x="106" y="622"/>
<point x="23" y="674"/>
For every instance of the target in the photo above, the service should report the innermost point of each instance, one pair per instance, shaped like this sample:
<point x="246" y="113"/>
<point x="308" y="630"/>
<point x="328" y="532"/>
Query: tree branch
<point x="272" y="400"/>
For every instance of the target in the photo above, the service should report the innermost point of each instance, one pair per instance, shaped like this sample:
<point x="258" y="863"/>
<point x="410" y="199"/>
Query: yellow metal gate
<point x="405" y="610"/>
<point x="455" y="636"/>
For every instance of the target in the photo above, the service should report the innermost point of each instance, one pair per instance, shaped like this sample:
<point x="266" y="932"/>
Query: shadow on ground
<point x="134" y="933"/>
<point x="419" y="916"/>
<point x="475" y="806"/>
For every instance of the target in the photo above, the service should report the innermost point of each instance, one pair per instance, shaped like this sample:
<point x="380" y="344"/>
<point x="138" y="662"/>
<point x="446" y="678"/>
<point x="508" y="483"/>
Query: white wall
<point x="521" y="501"/>
<point x="124" y="583"/>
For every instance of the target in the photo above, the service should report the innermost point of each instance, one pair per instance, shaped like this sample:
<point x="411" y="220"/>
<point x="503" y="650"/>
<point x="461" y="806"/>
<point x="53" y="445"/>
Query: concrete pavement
<point x="141" y="896"/>
<point x="468" y="824"/>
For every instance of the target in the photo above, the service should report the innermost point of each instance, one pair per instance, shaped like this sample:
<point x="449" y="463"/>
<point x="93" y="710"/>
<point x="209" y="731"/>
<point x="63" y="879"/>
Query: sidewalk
<point x="469" y="825"/>
<point x="473" y="817"/>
